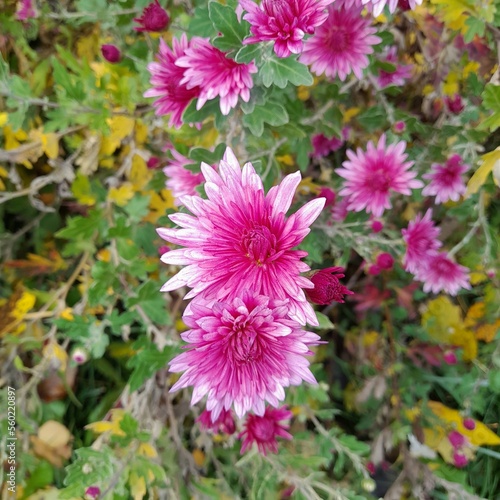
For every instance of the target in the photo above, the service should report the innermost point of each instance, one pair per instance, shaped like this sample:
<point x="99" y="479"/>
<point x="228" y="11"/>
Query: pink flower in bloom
<point x="208" y="69"/>
<point x="223" y="423"/>
<point x="25" y="10"/>
<point x="440" y="273"/>
<point x="166" y="77"/>
<point x="284" y="21"/>
<point x="372" y="175"/>
<point x="181" y="181"/>
<point x="154" y="18"/>
<point x="323" y="145"/>
<point x="377" y="6"/>
<point x="263" y="430"/>
<point x="327" y="286"/>
<point x="240" y="239"/>
<point x="446" y="181"/>
<point x="341" y="44"/>
<point x="421" y="242"/>
<point x="242" y="354"/>
<point x="399" y="76"/>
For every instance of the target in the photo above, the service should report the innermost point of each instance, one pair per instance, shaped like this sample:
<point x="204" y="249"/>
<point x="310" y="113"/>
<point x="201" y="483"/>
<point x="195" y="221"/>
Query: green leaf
<point x="226" y="22"/>
<point x="475" y="27"/>
<point x="200" y="24"/>
<point x="373" y="118"/>
<point x="81" y="228"/>
<point x="281" y="71"/>
<point x="193" y="115"/>
<point x="324" y="321"/>
<point x="491" y="101"/>
<point x="211" y="157"/>
<point x="273" y="113"/>
<point x="248" y="53"/>
<point x="152" y="302"/>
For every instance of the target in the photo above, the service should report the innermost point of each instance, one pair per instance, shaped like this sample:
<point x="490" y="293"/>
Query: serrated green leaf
<point x="193" y="115"/>
<point x="272" y="113"/>
<point x="248" y="53"/>
<point x="152" y="302"/>
<point x="281" y="71"/>
<point x="201" y="24"/>
<point x="226" y="22"/>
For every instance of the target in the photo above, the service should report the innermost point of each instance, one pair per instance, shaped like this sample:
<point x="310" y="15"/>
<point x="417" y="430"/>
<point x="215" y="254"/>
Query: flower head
<point x="341" y="44"/>
<point x="323" y="146"/>
<point x="154" y="18"/>
<point x="421" y="241"/>
<point x="111" y="53"/>
<point x="400" y="74"/>
<point x="443" y="274"/>
<point x="454" y="104"/>
<point x="174" y="96"/>
<point x="469" y="423"/>
<point x="223" y="423"/>
<point x="263" y="430"/>
<point x="456" y="439"/>
<point x="92" y="493"/>
<point x="446" y="181"/>
<point x="25" y="10"/>
<point x="460" y="460"/>
<point x="377" y="6"/>
<point x="79" y="356"/>
<point x="242" y="353"/>
<point x="240" y="239"/>
<point x="180" y="180"/>
<point x="372" y="175"/>
<point x="207" y="68"/>
<point x="327" y="286"/>
<point x="284" y="21"/>
<point x="385" y="261"/>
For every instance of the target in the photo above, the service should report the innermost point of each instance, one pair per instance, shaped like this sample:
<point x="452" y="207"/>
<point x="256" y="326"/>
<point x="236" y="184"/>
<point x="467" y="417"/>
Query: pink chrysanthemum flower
<point x="284" y="21"/>
<point x="240" y="239"/>
<point x="446" y="181"/>
<point x="181" y="181"/>
<point x="372" y="175"/>
<point x="341" y="44"/>
<point x="263" y="430"/>
<point x="209" y="69"/>
<point x="154" y="18"/>
<point x="421" y="238"/>
<point x="223" y="423"/>
<point x="242" y="354"/>
<point x="441" y="274"/>
<point x="327" y="286"/>
<point x="25" y="10"/>
<point x="323" y="146"/>
<point x="377" y="6"/>
<point x="397" y="77"/>
<point x="166" y="80"/>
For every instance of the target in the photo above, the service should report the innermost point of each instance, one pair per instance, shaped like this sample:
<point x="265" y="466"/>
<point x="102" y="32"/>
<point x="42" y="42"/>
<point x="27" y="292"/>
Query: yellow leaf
<point x="121" y="127"/>
<point x="54" y="434"/>
<point x="24" y="304"/>
<point x="307" y="186"/>
<point x="3" y="172"/>
<point x="286" y="160"/>
<point x="481" y="435"/>
<point x="137" y="486"/>
<point x="57" y="356"/>
<point x="67" y="314"/>
<point x="490" y="161"/>
<point x="349" y="114"/>
<point x="476" y="312"/>
<point x="450" y="86"/>
<point x="472" y="67"/>
<point x="159" y="204"/>
<point x="139" y="173"/>
<point x="198" y="457"/>
<point x="141" y="132"/>
<point x="87" y="47"/>
<point x="105" y="426"/>
<point x="488" y="333"/>
<point x="3" y="119"/>
<point x="82" y="191"/>
<point x="441" y="318"/>
<point x="147" y="450"/>
<point x="464" y="338"/>
<point x="452" y="12"/>
<point x="122" y="195"/>
<point x="303" y="93"/>
<point x="104" y="255"/>
<point x="50" y="145"/>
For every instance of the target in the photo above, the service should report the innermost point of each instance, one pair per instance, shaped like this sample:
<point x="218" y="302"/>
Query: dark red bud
<point x="111" y="53"/>
<point x="385" y="261"/>
<point x="327" y="287"/>
<point x="154" y="18"/>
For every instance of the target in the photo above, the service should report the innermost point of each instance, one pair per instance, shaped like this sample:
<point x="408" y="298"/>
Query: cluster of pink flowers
<point x="435" y="269"/>
<point x="245" y="342"/>
<point x="397" y="77"/>
<point x="195" y="69"/>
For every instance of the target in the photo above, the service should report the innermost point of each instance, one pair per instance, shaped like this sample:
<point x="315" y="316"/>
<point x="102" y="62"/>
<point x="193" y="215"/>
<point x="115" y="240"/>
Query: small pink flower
<point x="153" y="162"/>
<point x="340" y="46"/>
<point x="329" y="195"/>
<point x="154" y="18"/>
<point x="263" y="430"/>
<point x="223" y="423"/>
<point x="111" y="53"/>
<point x="421" y="242"/>
<point x="456" y="439"/>
<point x="92" y="493"/>
<point x="79" y="356"/>
<point x="25" y="10"/>
<point x="450" y="358"/>
<point x="241" y="239"/>
<point x="446" y="181"/>
<point x="469" y="423"/>
<point x="377" y="226"/>
<point x="173" y="96"/>
<point x="460" y="460"/>
<point x="374" y="270"/>
<point x="284" y="21"/>
<point x="208" y="69"/>
<point x="242" y="353"/>
<point x="327" y="286"/>
<point x="371" y="176"/>
<point x="323" y="146"/>
<point x="454" y="104"/>
<point x="401" y="73"/>
<point x="399" y="127"/>
<point x="441" y="274"/>
<point x="385" y="261"/>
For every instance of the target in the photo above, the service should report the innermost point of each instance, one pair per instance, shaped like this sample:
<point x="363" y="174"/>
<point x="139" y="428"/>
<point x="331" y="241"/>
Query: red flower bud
<point x="327" y="287"/>
<point x="153" y="162"/>
<point x="456" y="439"/>
<point x="450" y="358"/>
<point x="385" y="261"/>
<point x="373" y="270"/>
<point x="329" y="194"/>
<point x="377" y="226"/>
<point x="154" y="18"/>
<point x="92" y="493"/>
<point x="459" y="460"/>
<point x="455" y="105"/>
<point x="469" y="424"/>
<point x="111" y="53"/>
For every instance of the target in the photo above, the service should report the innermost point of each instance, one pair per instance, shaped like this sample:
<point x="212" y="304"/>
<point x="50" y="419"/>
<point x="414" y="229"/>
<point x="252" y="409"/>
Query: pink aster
<point x="284" y="21"/>
<point x="180" y="180"/>
<point x="223" y="423"/>
<point x="240" y="239"/>
<point x="377" y="6"/>
<point x="400" y="74"/>
<point x="263" y="430"/>
<point x="242" y="353"/>
<point x="207" y="68"/>
<point x="421" y="238"/>
<point x="323" y="146"/>
<point x="341" y="44"/>
<point x="446" y="181"/>
<point x="371" y="176"/>
<point x="166" y="80"/>
<point x="442" y="274"/>
<point x="25" y="10"/>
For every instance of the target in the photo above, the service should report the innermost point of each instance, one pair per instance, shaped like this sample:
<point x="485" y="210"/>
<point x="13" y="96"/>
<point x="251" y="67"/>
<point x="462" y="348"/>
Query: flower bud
<point x="92" y="493"/>
<point x="456" y="439"/>
<point x="455" y="105"/>
<point x="329" y="194"/>
<point x="111" y="53"/>
<point x="385" y="261"/>
<point x="459" y="460"/>
<point x="377" y="226"/>
<point x="327" y="287"/>
<point x="374" y="270"/>
<point x="399" y="127"/>
<point x="450" y="358"/>
<point x="79" y="356"/>
<point x="154" y="18"/>
<point x="153" y="162"/>
<point x="469" y="424"/>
